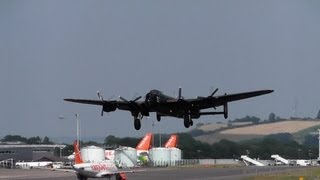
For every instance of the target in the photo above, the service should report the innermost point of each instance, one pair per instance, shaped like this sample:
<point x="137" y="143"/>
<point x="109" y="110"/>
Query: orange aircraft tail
<point x="172" y="141"/>
<point x="77" y="155"/>
<point x="145" y="143"/>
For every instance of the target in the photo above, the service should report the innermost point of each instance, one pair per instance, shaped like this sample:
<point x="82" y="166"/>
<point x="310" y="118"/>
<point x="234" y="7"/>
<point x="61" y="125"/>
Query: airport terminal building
<point x="25" y="152"/>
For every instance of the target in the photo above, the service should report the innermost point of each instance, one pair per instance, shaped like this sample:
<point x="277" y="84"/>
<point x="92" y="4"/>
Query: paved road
<point x="190" y="173"/>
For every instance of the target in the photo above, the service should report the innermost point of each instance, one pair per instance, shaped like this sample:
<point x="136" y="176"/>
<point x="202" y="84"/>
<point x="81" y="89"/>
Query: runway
<point x="180" y="173"/>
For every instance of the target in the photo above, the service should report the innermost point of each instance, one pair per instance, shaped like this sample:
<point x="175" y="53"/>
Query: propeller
<point x="214" y="92"/>
<point x="211" y="95"/>
<point x="101" y="98"/>
<point x="134" y="107"/>
<point x="180" y="97"/>
<point x="132" y="101"/>
<point x="99" y="95"/>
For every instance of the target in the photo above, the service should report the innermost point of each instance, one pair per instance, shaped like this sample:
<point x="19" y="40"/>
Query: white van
<point x="302" y="162"/>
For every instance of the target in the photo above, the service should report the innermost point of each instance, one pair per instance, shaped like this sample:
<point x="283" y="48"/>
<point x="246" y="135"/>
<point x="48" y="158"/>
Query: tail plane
<point x="172" y="141"/>
<point x="145" y="143"/>
<point x="77" y="154"/>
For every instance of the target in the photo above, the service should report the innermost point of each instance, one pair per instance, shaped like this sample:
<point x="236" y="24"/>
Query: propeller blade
<point x="99" y="95"/>
<point x="179" y="95"/>
<point x="136" y="99"/>
<point x="102" y="112"/>
<point x="214" y="92"/>
<point x="123" y="99"/>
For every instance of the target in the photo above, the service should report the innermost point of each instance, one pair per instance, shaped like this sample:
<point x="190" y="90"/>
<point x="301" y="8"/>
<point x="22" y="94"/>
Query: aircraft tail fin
<point x="77" y="154"/>
<point x="145" y="143"/>
<point x="172" y="141"/>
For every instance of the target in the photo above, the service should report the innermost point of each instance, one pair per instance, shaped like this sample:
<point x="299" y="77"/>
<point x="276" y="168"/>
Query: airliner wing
<point x="108" y="173"/>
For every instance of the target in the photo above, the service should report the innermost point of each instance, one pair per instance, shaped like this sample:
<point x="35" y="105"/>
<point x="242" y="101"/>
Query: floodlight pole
<point x="60" y="153"/>
<point x="153" y="123"/>
<point x="319" y="144"/>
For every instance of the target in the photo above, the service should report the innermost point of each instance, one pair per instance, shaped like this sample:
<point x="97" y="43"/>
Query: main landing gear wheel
<point x="121" y="176"/>
<point x="80" y="177"/>
<point x="137" y="124"/>
<point x="187" y="121"/>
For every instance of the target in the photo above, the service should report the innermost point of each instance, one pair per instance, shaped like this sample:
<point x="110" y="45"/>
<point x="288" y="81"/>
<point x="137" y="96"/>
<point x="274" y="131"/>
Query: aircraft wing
<point x="221" y="100"/>
<point x="108" y="173"/>
<point x="109" y="105"/>
<point x="240" y="96"/>
<point x="212" y="101"/>
<point x="88" y="101"/>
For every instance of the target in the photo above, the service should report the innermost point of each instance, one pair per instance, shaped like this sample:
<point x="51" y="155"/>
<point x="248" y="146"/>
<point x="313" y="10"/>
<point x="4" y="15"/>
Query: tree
<point x="252" y="119"/>
<point x="111" y="140"/>
<point x="14" y="138"/>
<point x="34" y="140"/>
<point x="272" y="117"/>
<point x="46" y="140"/>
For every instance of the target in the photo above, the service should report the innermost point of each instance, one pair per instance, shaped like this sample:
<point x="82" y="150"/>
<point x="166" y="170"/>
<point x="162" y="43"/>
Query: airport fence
<point x="182" y="162"/>
<point x="8" y="164"/>
<point x="186" y="162"/>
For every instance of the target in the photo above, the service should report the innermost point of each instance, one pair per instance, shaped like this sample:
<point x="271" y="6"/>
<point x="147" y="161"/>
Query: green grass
<point x="300" y="135"/>
<point x="304" y="174"/>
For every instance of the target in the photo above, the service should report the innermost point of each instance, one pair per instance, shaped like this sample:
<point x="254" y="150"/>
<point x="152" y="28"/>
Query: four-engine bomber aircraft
<point x="164" y="105"/>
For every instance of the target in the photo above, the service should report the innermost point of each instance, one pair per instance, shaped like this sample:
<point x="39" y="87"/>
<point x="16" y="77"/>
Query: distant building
<point x="24" y="152"/>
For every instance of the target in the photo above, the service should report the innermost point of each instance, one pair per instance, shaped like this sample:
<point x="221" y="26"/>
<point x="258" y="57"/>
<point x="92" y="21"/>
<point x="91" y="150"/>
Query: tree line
<point x="282" y="144"/>
<point x="24" y="140"/>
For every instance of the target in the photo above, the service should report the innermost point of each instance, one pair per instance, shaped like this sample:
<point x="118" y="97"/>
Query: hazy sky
<point x="52" y="50"/>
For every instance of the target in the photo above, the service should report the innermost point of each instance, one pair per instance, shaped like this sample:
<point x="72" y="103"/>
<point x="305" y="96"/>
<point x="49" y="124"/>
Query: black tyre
<point x="137" y="124"/>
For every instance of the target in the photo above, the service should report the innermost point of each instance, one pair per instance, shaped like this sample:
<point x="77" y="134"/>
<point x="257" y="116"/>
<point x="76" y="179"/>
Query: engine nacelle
<point x="109" y="107"/>
<point x="195" y="114"/>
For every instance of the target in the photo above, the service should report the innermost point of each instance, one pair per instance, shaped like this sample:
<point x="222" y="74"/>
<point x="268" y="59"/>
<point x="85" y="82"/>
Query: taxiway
<point x="179" y="173"/>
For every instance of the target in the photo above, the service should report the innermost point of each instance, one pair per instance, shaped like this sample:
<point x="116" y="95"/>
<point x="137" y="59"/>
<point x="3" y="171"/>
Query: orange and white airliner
<point x="105" y="169"/>
<point x="172" y="141"/>
<point x="145" y="144"/>
<point x="143" y="148"/>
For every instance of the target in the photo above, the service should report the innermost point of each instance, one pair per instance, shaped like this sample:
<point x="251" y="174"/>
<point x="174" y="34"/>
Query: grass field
<point x="298" y="128"/>
<point x="303" y="174"/>
<point x="273" y="128"/>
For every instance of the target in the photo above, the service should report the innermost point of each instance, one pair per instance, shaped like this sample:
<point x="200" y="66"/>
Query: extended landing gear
<point x="187" y="121"/>
<point x="121" y="176"/>
<point x="225" y="110"/>
<point x="80" y="177"/>
<point x="137" y="121"/>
